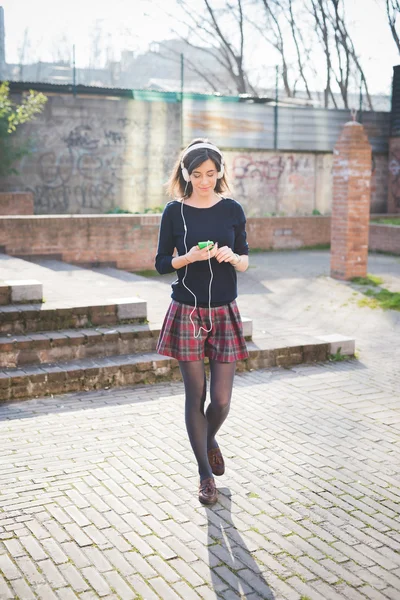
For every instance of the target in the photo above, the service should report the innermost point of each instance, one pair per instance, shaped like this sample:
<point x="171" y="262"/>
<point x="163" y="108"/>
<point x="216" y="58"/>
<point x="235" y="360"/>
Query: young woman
<point x="203" y="318"/>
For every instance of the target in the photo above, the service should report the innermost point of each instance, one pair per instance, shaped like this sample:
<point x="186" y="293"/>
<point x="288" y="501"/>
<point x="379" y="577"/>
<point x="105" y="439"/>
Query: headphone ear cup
<point x="221" y="171"/>
<point x="185" y="173"/>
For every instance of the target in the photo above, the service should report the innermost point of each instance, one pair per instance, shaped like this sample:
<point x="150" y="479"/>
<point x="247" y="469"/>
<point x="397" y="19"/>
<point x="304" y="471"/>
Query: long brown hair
<point x="177" y="187"/>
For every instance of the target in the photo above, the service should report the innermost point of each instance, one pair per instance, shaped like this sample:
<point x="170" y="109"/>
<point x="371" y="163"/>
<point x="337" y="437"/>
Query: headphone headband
<point x="201" y="145"/>
<point x="185" y="172"/>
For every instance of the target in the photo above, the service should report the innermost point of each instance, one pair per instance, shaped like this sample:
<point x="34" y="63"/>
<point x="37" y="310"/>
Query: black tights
<point x="201" y="427"/>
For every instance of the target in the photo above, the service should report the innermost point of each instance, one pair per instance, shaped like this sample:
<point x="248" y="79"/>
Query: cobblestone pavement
<point x="99" y="490"/>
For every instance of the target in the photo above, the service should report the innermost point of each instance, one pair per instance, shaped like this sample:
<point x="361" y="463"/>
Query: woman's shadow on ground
<point x="230" y="559"/>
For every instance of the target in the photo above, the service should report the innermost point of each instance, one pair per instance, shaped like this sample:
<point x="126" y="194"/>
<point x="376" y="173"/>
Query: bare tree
<point x="341" y="59"/>
<point x="392" y="11"/>
<point x="271" y="32"/>
<point x="219" y="33"/>
<point x="282" y="30"/>
<point x="112" y="65"/>
<point x="171" y="54"/>
<point x="293" y="28"/>
<point x="302" y="52"/>
<point x="97" y="45"/>
<point x="322" y="30"/>
<point x="23" y="52"/>
<point x="62" y="49"/>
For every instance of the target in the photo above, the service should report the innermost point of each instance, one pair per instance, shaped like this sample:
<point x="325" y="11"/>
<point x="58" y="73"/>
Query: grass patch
<point x="255" y="530"/>
<point x="252" y="495"/>
<point x="338" y="356"/>
<point x="387" y="220"/>
<point x="384" y="298"/>
<point x="370" y="302"/>
<point x="368" y="280"/>
<point x="147" y="273"/>
<point x="376" y="296"/>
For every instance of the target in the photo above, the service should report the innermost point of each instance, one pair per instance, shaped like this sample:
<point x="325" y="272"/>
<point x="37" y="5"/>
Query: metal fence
<point x="269" y="127"/>
<point x="238" y="123"/>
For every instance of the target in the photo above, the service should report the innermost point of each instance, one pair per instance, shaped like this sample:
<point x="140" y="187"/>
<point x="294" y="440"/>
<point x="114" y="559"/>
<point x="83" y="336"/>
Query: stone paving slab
<point x="98" y="490"/>
<point x="99" y="493"/>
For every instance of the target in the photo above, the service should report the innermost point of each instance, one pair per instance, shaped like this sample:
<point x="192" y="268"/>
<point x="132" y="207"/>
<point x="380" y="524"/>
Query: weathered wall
<point x="94" y="153"/>
<point x="379" y="183"/>
<point x="91" y="154"/>
<point x="277" y="183"/>
<point x="394" y="175"/>
<point x="293" y="183"/>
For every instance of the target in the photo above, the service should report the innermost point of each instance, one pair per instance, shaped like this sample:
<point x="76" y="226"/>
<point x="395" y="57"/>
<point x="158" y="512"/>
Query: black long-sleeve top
<point x="224" y="223"/>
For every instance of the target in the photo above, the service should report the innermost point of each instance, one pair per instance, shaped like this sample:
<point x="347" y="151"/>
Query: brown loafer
<point x="216" y="461"/>
<point x="208" y="493"/>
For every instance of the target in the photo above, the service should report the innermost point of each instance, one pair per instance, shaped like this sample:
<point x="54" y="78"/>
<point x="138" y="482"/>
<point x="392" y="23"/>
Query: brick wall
<point x="125" y="241"/>
<point x="16" y="203"/>
<point x="130" y="242"/>
<point x="287" y="232"/>
<point x="385" y="238"/>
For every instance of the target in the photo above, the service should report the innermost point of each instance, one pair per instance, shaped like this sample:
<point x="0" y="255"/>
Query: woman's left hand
<point x="225" y="254"/>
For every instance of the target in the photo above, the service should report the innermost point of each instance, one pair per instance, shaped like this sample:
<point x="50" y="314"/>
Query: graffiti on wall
<point x="98" y="157"/>
<point x="81" y="171"/>
<point x="274" y="183"/>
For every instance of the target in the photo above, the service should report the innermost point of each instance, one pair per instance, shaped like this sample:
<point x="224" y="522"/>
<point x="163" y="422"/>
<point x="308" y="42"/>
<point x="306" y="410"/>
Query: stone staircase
<point x="58" y="347"/>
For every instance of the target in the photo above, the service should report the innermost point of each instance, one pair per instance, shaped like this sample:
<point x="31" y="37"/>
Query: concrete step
<point x="15" y="291"/>
<point x="71" y="344"/>
<point x="54" y="316"/>
<point x="113" y="371"/>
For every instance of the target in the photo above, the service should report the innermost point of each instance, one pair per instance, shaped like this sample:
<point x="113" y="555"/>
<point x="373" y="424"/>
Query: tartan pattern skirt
<point x="224" y="343"/>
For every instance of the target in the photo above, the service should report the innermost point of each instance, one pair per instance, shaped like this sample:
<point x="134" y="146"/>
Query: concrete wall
<point x="93" y="153"/>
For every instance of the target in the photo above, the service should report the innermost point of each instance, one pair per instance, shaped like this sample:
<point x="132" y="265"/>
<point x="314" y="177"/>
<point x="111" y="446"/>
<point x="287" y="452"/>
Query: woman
<point x="203" y="318"/>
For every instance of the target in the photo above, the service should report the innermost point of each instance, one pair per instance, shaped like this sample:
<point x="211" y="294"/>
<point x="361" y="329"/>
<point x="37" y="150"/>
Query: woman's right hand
<point x="195" y="254"/>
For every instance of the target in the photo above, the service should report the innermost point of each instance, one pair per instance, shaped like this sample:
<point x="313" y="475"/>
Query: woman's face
<point x="204" y="178"/>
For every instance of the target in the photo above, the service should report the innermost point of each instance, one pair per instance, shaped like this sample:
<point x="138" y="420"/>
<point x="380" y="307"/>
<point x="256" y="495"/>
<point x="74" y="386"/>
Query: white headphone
<point x="185" y="172"/>
<point x="197" y="335"/>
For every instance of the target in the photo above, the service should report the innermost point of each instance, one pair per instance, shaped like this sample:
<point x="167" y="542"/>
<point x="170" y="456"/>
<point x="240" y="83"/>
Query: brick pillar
<point x="352" y="164"/>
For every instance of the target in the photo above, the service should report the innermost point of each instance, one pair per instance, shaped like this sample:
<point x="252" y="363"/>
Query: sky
<point x="129" y="25"/>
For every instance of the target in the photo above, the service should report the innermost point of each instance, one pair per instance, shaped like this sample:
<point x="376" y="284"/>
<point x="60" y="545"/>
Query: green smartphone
<point x="206" y="244"/>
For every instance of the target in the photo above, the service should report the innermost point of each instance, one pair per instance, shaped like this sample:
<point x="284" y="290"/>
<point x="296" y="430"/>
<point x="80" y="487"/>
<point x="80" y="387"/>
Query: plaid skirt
<point x="224" y="343"/>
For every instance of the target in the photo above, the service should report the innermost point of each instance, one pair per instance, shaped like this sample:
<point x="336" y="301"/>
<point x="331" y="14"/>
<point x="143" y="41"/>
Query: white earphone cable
<point x="189" y="290"/>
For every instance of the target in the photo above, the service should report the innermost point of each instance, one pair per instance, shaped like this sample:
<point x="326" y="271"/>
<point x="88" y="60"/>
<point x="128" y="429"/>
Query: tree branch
<point x="392" y="20"/>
